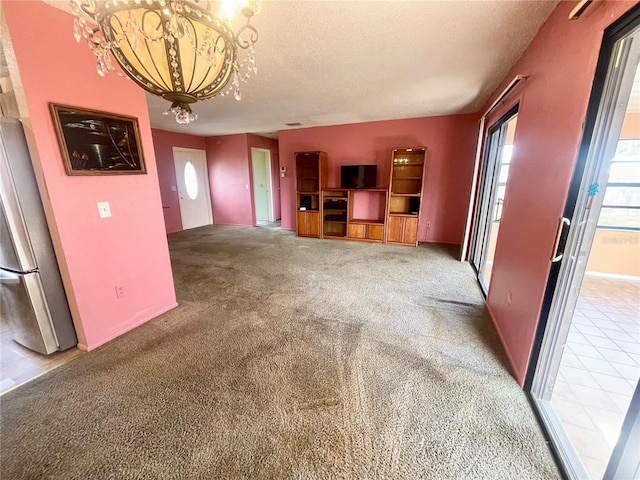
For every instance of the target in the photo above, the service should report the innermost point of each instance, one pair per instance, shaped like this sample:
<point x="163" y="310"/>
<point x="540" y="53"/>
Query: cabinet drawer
<point x="356" y="231"/>
<point x="375" y="232"/>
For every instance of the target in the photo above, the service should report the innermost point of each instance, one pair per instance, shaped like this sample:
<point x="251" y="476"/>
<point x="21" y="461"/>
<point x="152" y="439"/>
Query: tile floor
<point x="600" y="368"/>
<point x="19" y="364"/>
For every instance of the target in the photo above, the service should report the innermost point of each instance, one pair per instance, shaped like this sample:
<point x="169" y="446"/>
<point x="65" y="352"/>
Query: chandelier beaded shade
<point x="179" y="50"/>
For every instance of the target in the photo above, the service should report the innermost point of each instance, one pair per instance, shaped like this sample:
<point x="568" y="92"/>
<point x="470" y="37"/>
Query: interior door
<point x="260" y="160"/>
<point x="587" y="369"/>
<point x="193" y="187"/>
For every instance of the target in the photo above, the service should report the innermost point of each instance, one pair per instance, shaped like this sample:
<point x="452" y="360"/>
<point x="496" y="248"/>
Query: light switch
<point x="104" y="209"/>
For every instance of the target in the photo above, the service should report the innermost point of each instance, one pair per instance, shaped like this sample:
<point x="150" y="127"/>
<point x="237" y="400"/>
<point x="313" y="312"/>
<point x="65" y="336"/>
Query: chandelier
<point x="179" y="50"/>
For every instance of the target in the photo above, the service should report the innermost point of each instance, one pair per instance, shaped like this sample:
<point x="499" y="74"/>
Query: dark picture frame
<point x="97" y="143"/>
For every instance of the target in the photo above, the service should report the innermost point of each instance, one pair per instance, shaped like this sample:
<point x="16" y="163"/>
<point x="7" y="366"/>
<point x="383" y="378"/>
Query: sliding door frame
<point x="489" y="173"/>
<point x="533" y="386"/>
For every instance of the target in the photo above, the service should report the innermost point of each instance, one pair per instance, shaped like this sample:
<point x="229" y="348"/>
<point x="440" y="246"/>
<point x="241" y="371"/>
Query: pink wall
<point x="229" y="164"/>
<point x="96" y="255"/>
<point x="163" y="143"/>
<point x="230" y="180"/>
<point x="560" y="65"/>
<point x="271" y="145"/>
<point x="450" y="141"/>
<point x="369" y="205"/>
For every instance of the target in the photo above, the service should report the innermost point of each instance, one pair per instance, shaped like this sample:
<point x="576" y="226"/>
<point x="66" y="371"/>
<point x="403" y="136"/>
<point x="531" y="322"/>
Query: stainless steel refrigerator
<point x="33" y="301"/>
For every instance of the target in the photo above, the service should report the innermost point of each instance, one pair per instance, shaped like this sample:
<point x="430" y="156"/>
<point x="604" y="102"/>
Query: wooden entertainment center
<point x="391" y="214"/>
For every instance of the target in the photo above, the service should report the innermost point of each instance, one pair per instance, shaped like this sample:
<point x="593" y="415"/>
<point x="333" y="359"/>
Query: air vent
<point x="294" y="124"/>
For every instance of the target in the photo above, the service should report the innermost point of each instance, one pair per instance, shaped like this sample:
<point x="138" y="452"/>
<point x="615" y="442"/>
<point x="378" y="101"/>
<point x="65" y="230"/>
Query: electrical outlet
<point x="119" y="291"/>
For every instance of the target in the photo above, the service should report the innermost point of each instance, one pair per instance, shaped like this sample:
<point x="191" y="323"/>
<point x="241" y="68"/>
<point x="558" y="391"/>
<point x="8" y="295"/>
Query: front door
<point x="193" y="187"/>
<point x="583" y="381"/>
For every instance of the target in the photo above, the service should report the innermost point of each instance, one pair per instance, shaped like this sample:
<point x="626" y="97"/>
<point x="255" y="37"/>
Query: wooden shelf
<point x="407" y="176"/>
<point x="386" y="189"/>
<point x="392" y="215"/>
<point x="356" y="229"/>
<point x="368" y="222"/>
<point x="380" y="189"/>
<point x="310" y="178"/>
<point x="336" y="237"/>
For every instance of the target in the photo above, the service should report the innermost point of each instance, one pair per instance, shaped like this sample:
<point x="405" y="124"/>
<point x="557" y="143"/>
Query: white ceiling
<point x="330" y="62"/>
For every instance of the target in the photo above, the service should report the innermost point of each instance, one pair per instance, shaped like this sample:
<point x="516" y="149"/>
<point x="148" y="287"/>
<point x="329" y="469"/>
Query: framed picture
<point x="97" y="143"/>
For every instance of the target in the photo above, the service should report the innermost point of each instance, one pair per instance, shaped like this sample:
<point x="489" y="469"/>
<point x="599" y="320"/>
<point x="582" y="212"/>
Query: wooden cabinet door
<point x="375" y="232"/>
<point x="395" y="229"/>
<point x="402" y="230"/>
<point x="303" y="224"/>
<point x="410" y="231"/>
<point x="356" y="231"/>
<point x="314" y="224"/>
<point x="308" y="224"/>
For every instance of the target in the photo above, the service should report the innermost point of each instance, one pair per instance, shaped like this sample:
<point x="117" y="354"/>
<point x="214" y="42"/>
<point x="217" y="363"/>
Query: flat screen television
<point x="358" y="176"/>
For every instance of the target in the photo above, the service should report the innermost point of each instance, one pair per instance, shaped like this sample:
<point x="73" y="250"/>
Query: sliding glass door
<point x="495" y="173"/>
<point x="585" y="382"/>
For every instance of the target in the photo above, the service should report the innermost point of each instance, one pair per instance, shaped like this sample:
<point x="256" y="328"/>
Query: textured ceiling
<point x="329" y="62"/>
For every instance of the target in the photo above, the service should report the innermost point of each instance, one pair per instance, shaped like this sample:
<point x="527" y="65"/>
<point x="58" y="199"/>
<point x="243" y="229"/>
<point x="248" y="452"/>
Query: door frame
<point x="552" y="427"/>
<point x="491" y="161"/>
<point x="612" y="34"/>
<point x="467" y="237"/>
<point x="270" y="206"/>
<point x="207" y="188"/>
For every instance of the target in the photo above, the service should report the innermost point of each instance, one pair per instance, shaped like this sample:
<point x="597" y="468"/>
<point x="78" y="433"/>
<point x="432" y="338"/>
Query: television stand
<point x="354" y="214"/>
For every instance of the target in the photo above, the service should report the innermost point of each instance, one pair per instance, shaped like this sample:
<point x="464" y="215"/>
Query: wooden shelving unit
<point x="334" y="213"/>
<point x="378" y="215"/>
<point x="311" y="174"/>
<point x="405" y="195"/>
<point x="338" y="214"/>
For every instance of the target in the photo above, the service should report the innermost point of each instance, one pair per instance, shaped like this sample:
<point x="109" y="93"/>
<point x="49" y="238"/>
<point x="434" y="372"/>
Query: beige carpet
<point x="288" y="358"/>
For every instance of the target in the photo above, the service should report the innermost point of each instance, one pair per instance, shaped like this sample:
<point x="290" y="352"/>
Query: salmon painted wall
<point x="272" y="145"/>
<point x="163" y="143"/>
<point x="560" y="65"/>
<point x="96" y="255"/>
<point x="451" y="147"/>
<point x="230" y="180"/>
